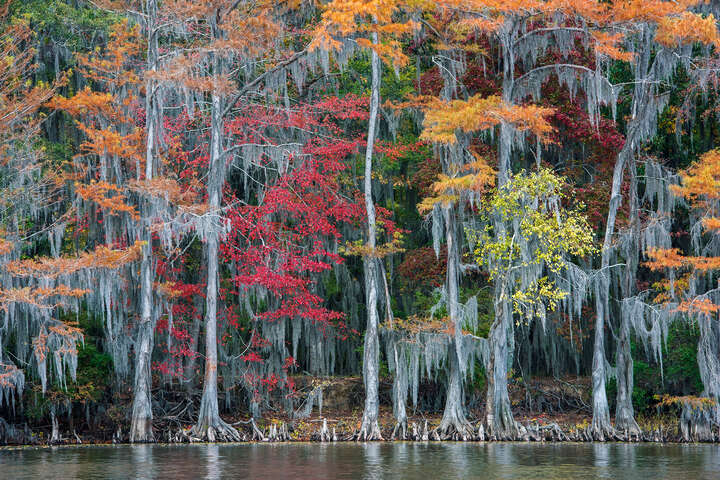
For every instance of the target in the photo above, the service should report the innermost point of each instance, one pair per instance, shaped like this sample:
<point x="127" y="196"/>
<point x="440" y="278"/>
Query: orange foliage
<point x="163" y="187"/>
<point x="662" y="258"/>
<point x="701" y="180"/>
<point x="101" y="257"/>
<point x="701" y="187"/>
<point x="478" y="113"/>
<point x="699" y="305"/>
<point x="98" y="192"/>
<point x="20" y="98"/>
<point x="113" y="67"/>
<point x="343" y="18"/>
<point x="697" y="403"/>
<point x="687" y="28"/>
<point x="478" y="177"/>
<point x="38" y="296"/>
<point x="607" y="22"/>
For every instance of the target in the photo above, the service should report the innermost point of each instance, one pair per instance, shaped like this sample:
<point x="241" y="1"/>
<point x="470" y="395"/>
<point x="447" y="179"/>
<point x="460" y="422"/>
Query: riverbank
<point x="546" y="410"/>
<point x="334" y="428"/>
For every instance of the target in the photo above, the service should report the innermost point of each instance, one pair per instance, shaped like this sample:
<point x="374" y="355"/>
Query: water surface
<point x="424" y="461"/>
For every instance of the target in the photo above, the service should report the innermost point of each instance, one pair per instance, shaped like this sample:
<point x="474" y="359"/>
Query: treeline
<point x="214" y="199"/>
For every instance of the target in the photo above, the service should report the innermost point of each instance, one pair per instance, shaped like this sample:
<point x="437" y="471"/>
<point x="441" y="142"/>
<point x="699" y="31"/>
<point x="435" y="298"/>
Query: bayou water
<point x="423" y="461"/>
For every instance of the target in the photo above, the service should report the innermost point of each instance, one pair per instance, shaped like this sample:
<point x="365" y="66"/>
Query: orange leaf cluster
<point x="699" y="305"/>
<point x="701" y="180"/>
<point x="163" y="187"/>
<point x="687" y="28"/>
<point x="20" y="99"/>
<point x="479" y="113"/>
<point x="447" y="188"/>
<point x="101" y="257"/>
<point x="38" y="296"/>
<point x="112" y="66"/>
<point x="694" y="402"/>
<point x="359" y="19"/>
<point x="98" y="192"/>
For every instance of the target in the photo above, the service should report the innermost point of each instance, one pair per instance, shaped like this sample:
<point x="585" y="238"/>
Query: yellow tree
<point x="523" y="31"/>
<point x="445" y="122"/>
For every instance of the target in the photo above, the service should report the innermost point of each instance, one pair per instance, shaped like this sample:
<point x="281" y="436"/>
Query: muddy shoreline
<point x="344" y="429"/>
<point x="546" y="410"/>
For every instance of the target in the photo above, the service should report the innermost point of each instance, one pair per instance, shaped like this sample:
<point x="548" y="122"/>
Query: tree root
<point x="278" y="433"/>
<point x="55" y="436"/>
<point x="602" y="433"/>
<point x="696" y="424"/>
<point x="257" y="434"/>
<point x="545" y="433"/>
<point x="505" y="428"/>
<point x="419" y="436"/>
<point x="213" y="430"/>
<point x="369" y="431"/>
<point x="399" y="431"/>
<point x="454" y="429"/>
<point x="117" y="436"/>
<point x="324" y="435"/>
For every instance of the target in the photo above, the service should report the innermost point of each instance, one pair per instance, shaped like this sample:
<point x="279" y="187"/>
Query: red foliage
<point x="422" y="269"/>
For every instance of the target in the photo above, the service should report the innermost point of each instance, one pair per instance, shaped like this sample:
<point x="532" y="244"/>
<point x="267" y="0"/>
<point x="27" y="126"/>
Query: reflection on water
<point x="425" y="461"/>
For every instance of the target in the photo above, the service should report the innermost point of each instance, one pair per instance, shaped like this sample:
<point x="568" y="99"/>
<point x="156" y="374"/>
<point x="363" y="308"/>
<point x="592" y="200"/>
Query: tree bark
<point x="141" y="420"/>
<point x="624" y="411"/>
<point x="209" y="425"/>
<point x="370" y="430"/>
<point x="499" y="421"/>
<point x="601" y="427"/>
<point x="400" y="388"/>
<point x="454" y="423"/>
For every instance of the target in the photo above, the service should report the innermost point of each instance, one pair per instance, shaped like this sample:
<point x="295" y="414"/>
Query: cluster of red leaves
<point x="420" y="268"/>
<point x="601" y="144"/>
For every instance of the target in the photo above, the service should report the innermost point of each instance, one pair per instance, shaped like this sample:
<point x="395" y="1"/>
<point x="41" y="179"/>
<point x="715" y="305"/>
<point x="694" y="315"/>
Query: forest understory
<point x="550" y="410"/>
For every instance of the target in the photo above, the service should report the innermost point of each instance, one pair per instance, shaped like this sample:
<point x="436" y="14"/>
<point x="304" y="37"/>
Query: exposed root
<point x="55" y="435"/>
<point x="117" y="436"/>
<point x="503" y="427"/>
<point x="633" y="434"/>
<point x="278" y="433"/>
<point x="257" y="434"/>
<point x="480" y="436"/>
<point x="454" y="427"/>
<point x="399" y="431"/>
<point x="627" y="428"/>
<point x="324" y="435"/>
<point x="602" y="433"/>
<point x="418" y="435"/>
<point x="369" y="431"/>
<point x="213" y="429"/>
<point x="544" y="433"/>
<point x="696" y="424"/>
